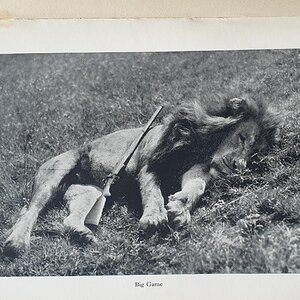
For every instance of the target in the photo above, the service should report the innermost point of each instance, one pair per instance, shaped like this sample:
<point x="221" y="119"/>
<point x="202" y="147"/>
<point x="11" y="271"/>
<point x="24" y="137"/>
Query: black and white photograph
<point x="150" y="163"/>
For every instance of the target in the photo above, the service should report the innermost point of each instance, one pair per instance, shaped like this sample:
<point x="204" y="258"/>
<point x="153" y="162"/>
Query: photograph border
<point x="56" y="36"/>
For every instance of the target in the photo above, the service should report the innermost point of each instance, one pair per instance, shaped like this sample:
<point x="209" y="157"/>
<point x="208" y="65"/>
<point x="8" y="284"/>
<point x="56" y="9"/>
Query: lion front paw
<point x="178" y="213"/>
<point x="179" y="196"/>
<point x="153" y="219"/>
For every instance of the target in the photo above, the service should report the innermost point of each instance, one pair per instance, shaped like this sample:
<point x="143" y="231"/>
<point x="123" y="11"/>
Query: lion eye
<point x="242" y="138"/>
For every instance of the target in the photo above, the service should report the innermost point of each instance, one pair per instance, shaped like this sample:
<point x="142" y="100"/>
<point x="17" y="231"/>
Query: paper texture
<point x="148" y="35"/>
<point x="37" y="9"/>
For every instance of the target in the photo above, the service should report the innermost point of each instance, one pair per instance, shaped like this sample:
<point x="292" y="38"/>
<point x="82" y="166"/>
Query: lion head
<point x="224" y="139"/>
<point x="256" y="130"/>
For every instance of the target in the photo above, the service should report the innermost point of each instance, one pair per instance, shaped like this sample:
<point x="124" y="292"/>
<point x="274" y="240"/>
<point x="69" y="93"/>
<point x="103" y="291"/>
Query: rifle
<point x="94" y="216"/>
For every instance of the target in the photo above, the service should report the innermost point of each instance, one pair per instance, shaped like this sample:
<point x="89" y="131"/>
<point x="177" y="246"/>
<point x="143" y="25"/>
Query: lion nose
<point x="240" y="164"/>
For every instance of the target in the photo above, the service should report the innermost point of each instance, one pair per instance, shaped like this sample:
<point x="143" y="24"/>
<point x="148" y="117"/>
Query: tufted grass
<point x="54" y="102"/>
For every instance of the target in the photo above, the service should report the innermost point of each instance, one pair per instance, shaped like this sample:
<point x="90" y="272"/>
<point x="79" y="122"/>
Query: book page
<point x="64" y="84"/>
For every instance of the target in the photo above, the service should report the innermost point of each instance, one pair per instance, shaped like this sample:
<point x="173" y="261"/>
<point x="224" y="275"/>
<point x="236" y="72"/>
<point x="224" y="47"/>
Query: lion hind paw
<point x="79" y="232"/>
<point x="15" y="249"/>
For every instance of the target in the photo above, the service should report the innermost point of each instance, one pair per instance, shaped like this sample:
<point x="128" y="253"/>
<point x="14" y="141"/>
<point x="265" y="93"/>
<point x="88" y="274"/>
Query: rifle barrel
<point x="94" y="216"/>
<point x="130" y="151"/>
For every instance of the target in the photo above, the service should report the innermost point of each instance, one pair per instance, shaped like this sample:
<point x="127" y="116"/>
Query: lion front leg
<point x="154" y="213"/>
<point x="182" y="203"/>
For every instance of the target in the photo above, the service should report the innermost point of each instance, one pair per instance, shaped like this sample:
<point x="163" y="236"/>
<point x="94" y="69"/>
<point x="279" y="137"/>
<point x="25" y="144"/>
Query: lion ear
<point x="276" y="135"/>
<point x="271" y="125"/>
<point x="236" y="106"/>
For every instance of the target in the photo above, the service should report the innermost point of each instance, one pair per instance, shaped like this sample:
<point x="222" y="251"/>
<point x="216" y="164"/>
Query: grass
<point x="54" y="102"/>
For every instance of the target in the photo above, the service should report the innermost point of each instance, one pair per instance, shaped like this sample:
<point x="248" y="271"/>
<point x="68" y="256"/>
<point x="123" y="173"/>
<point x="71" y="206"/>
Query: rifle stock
<point x="94" y="216"/>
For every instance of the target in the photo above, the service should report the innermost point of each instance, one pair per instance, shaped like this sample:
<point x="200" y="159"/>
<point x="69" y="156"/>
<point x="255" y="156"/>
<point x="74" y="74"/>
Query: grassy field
<point x="51" y="103"/>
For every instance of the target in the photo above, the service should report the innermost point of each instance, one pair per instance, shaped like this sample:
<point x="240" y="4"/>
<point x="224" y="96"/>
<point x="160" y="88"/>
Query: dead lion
<point x="174" y="162"/>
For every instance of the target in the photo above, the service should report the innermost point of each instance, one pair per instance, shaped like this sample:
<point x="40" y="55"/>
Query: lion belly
<point x="108" y="150"/>
<point x="105" y="153"/>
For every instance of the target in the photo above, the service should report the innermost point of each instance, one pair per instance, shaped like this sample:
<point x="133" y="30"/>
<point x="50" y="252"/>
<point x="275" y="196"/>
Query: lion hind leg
<point x="80" y="199"/>
<point x="52" y="178"/>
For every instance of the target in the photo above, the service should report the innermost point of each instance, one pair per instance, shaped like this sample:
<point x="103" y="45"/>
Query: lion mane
<point x="196" y="132"/>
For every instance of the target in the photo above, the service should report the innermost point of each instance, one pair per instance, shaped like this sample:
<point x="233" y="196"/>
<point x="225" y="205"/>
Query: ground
<point x="247" y="223"/>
